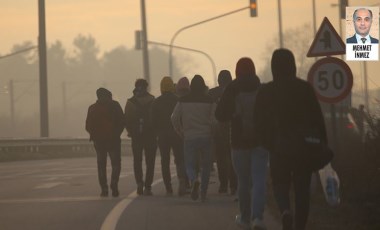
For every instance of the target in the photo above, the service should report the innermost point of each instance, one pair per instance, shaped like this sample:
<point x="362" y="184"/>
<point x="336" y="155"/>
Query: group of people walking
<point x="242" y="124"/>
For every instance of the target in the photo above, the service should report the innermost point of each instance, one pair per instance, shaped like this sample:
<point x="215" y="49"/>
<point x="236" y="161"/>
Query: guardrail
<point x="39" y="148"/>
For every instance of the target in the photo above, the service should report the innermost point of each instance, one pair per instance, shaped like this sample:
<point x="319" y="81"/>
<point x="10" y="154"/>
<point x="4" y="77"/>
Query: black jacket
<point x="226" y="108"/>
<point x="283" y="107"/>
<point x="162" y="110"/>
<point x="95" y="116"/>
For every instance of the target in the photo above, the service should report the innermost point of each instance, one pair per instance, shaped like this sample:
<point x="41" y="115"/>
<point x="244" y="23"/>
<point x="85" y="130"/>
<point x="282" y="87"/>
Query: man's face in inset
<point x="362" y="22"/>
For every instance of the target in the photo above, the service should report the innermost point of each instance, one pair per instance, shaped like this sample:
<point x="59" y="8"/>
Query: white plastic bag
<point x="330" y="184"/>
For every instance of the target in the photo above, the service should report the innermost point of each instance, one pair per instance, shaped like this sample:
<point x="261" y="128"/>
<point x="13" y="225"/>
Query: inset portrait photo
<point x="362" y="33"/>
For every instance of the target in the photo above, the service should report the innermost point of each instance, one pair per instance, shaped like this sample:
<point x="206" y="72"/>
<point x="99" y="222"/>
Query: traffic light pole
<point x="190" y="26"/>
<point x="192" y="50"/>
<point x="145" y="42"/>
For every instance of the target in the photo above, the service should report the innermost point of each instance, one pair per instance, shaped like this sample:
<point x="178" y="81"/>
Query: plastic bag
<point x="330" y="184"/>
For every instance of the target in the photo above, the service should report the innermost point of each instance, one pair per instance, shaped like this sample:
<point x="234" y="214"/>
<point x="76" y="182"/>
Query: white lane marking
<point x="113" y="217"/>
<point x="53" y="199"/>
<point x="48" y="185"/>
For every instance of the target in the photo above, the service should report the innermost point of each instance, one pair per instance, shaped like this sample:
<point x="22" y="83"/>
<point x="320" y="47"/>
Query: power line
<point x="18" y="52"/>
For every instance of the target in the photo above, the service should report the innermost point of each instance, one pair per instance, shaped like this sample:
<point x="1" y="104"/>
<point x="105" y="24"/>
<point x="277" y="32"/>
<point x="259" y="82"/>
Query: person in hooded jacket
<point x="168" y="138"/>
<point x="249" y="159"/>
<point x="222" y="146"/>
<point x="182" y="87"/>
<point x="138" y="123"/>
<point x="193" y="119"/>
<point x="105" y="124"/>
<point x="282" y="108"/>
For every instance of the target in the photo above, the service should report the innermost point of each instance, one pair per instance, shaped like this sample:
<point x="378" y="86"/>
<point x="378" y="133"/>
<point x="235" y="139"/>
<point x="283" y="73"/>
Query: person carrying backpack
<point x="249" y="159"/>
<point x="105" y="124"/>
<point x="286" y="108"/>
<point x="221" y="143"/>
<point x="139" y="126"/>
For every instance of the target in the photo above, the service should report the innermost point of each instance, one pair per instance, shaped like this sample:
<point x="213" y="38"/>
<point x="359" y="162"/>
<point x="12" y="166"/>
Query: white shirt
<point x="359" y="39"/>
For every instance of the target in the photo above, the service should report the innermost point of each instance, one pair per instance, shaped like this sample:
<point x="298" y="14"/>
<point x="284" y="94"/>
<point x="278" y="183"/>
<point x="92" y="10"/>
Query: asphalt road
<point x="64" y="194"/>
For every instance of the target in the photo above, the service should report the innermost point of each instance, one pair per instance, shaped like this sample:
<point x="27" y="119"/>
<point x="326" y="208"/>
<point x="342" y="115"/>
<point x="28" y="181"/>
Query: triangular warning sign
<point x="326" y="42"/>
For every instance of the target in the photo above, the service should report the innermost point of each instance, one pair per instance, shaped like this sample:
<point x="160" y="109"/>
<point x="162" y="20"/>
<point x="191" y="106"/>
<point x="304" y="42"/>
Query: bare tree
<point x="298" y="40"/>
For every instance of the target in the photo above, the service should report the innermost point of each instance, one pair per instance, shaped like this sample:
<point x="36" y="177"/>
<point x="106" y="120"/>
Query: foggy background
<point x="91" y="45"/>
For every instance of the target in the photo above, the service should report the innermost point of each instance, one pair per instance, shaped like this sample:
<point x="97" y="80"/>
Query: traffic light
<point x="253" y="8"/>
<point x="342" y="8"/>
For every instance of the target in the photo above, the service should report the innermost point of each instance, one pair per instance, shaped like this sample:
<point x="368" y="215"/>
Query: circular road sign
<point x="331" y="79"/>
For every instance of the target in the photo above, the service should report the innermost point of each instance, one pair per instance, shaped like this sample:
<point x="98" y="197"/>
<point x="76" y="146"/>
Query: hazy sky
<point x="113" y="23"/>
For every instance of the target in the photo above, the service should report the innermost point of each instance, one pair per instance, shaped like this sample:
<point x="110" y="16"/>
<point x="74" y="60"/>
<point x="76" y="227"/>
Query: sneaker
<point x="140" y="188"/>
<point x="203" y="196"/>
<point x="233" y="192"/>
<point x="240" y="223"/>
<point x="195" y="191"/>
<point x="222" y="189"/>
<point x="104" y="193"/>
<point x="169" y="190"/>
<point x="115" y="192"/>
<point x="258" y="224"/>
<point x="287" y="220"/>
<point x="182" y="188"/>
<point x="148" y="192"/>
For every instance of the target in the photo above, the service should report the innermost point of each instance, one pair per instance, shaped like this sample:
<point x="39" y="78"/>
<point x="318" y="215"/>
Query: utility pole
<point x="145" y="42"/>
<point x="280" y="24"/>
<point x="12" y="102"/>
<point x="44" y="117"/>
<point x="64" y="101"/>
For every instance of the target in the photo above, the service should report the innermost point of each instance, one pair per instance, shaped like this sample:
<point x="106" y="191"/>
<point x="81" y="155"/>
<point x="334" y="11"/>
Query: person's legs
<point x="206" y="162"/>
<point x="164" y="146"/>
<point x="242" y="163"/>
<point x="192" y="162"/>
<point x="232" y="178"/>
<point x="219" y="152"/>
<point x="137" y="150"/>
<point x="302" y="198"/>
<point x="281" y="181"/>
<point x="259" y="169"/>
<point x="115" y="155"/>
<point x="101" y="156"/>
<point x="150" y="148"/>
<point x="281" y="174"/>
<point x="179" y="160"/>
<point x="191" y="159"/>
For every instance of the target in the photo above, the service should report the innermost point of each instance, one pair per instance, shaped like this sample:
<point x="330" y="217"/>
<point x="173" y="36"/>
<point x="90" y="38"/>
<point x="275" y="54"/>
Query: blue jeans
<point x="198" y="150"/>
<point x="251" y="169"/>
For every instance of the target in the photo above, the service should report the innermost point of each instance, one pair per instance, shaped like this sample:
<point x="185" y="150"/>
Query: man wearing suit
<point x="362" y="18"/>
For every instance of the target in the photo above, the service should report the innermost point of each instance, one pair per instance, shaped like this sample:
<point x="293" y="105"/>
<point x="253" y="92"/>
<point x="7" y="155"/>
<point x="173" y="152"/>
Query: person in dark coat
<point x="282" y="108"/>
<point x="138" y="124"/>
<point x="250" y="160"/>
<point x="222" y="146"/>
<point x="168" y="138"/>
<point x="105" y="124"/>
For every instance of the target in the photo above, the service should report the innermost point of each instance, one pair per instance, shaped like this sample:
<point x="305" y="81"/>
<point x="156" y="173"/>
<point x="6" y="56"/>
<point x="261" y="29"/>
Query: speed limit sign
<point x="331" y="79"/>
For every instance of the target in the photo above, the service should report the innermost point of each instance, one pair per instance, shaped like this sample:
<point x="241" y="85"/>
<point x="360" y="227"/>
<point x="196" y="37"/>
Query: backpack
<point x="244" y="103"/>
<point x="102" y="125"/>
<point x="143" y="116"/>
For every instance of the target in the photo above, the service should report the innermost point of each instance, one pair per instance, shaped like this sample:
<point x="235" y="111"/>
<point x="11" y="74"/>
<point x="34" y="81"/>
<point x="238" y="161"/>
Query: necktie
<point x="363" y="40"/>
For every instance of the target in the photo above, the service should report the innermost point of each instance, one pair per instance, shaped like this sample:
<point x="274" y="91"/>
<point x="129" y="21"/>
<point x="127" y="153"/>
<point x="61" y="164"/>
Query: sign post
<point x="330" y="77"/>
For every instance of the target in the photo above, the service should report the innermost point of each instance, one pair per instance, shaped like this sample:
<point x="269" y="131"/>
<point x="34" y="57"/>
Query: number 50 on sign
<point x="331" y="79"/>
